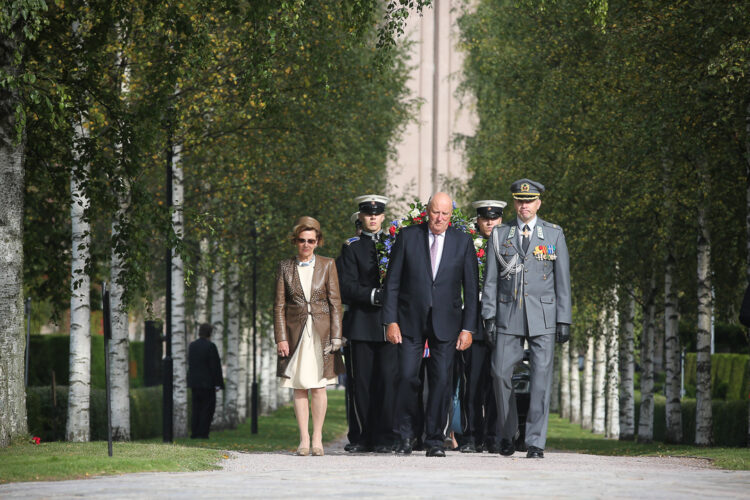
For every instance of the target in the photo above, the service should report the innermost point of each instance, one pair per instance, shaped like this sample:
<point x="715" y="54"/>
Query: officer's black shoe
<point x="384" y="448"/>
<point x="468" y="448"/>
<point x="436" y="451"/>
<point x="359" y="448"/>
<point x="535" y="452"/>
<point x="492" y="447"/>
<point x="404" y="447"/>
<point x="348" y="446"/>
<point x="507" y="448"/>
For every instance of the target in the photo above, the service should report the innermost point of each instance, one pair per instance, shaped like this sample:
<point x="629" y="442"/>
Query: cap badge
<point x="525" y="187"/>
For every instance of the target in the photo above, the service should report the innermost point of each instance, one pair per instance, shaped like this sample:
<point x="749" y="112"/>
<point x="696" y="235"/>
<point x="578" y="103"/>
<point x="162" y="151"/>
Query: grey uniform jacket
<point x="530" y="288"/>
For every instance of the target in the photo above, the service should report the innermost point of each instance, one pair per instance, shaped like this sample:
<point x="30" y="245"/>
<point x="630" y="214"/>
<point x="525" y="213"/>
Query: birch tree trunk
<point x="646" y="417"/>
<point x="201" y="312"/>
<point x="119" y="355"/>
<point x="703" y="416"/>
<point x="599" y="393"/>
<point x="612" y="430"/>
<point x="242" y="391"/>
<point x="565" y="380"/>
<point x="217" y="335"/>
<point x="233" y="348"/>
<point x="575" y="388"/>
<point x="268" y="359"/>
<point x="179" y="334"/>
<point x="554" y="400"/>
<point x="672" y="352"/>
<point x="588" y="384"/>
<point x="79" y="360"/>
<point x="627" y="372"/>
<point x="12" y="336"/>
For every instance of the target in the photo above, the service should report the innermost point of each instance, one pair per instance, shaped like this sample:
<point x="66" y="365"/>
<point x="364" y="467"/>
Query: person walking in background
<point x="204" y="379"/>
<point x="526" y="296"/>
<point x="373" y="361"/>
<point x="431" y="293"/>
<point x="307" y="329"/>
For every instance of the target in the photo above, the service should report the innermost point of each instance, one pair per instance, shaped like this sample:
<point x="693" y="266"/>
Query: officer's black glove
<point x="377" y="297"/>
<point x="562" y="334"/>
<point x="490" y="332"/>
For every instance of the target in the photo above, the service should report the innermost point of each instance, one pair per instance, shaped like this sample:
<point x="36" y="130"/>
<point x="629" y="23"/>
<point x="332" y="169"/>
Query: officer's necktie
<point x="525" y="241"/>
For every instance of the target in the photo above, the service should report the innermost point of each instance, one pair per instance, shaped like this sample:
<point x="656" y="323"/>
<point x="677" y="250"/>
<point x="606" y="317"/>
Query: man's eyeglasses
<point x="309" y="242"/>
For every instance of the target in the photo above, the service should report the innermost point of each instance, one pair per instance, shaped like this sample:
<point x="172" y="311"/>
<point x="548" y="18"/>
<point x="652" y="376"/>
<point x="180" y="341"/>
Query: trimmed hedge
<point x="51" y="352"/>
<point x="730" y="376"/>
<point x="729" y="421"/>
<point x="47" y="415"/>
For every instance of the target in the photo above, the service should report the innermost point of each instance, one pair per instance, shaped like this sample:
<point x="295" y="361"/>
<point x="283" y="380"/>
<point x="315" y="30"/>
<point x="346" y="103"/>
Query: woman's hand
<point x="283" y="348"/>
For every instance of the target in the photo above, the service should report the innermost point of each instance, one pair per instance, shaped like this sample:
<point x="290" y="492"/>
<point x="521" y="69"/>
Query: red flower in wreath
<point x="392" y="230"/>
<point x="480" y="253"/>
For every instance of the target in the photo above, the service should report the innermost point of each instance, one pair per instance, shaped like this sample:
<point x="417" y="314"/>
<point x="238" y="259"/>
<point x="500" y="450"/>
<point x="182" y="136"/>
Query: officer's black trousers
<point x="204" y="405"/>
<point x="374" y="367"/>
<point x="478" y="408"/>
<point x="439" y="377"/>
<point x="354" y="434"/>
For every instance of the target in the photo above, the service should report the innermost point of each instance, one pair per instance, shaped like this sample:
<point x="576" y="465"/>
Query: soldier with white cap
<point x="373" y="361"/>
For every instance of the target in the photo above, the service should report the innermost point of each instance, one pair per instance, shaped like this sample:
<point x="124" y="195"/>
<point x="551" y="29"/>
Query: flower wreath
<point x="418" y="215"/>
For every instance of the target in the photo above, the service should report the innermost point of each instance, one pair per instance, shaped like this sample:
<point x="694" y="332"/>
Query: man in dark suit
<point x="431" y="293"/>
<point x="205" y="379"/>
<point x="373" y="361"/>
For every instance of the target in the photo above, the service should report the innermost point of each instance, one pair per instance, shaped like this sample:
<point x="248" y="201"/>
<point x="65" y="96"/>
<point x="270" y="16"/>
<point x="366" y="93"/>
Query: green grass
<point x="277" y="431"/>
<point x="564" y="436"/>
<point x="57" y="461"/>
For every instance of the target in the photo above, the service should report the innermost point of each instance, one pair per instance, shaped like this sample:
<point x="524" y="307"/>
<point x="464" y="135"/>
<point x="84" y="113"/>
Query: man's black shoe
<point x="492" y="447"/>
<point x="358" y="448"/>
<point x="348" y="446"/>
<point x="535" y="452"/>
<point x="436" y="451"/>
<point x="404" y="447"/>
<point x="468" y="448"/>
<point x="384" y="448"/>
<point x="507" y="448"/>
<point x="418" y="445"/>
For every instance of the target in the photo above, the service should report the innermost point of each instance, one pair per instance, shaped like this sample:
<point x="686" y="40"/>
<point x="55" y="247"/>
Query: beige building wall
<point x="426" y="156"/>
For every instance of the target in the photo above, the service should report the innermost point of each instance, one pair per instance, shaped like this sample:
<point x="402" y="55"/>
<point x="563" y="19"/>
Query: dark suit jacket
<point x="411" y="295"/>
<point x="358" y="276"/>
<point x="204" y="365"/>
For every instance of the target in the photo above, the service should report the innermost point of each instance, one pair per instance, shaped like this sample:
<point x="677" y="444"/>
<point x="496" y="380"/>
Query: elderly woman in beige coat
<point x="307" y="327"/>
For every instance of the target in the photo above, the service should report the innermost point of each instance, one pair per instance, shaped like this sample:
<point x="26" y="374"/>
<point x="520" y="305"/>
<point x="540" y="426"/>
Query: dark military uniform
<point x="373" y="362"/>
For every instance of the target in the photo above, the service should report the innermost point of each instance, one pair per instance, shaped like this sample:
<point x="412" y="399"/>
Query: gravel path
<point x="341" y="475"/>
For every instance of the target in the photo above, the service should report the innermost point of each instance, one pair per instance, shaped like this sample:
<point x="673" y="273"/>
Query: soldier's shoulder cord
<point x="351" y="240"/>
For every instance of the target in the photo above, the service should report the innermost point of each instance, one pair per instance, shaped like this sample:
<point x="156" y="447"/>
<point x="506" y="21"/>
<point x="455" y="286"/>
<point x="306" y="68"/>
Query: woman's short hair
<point x="306" y="223"/>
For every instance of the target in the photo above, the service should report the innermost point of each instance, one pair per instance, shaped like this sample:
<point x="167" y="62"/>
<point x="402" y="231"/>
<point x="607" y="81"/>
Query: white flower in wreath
<point x="414" y="212"/>
<point x="478" y="243"/>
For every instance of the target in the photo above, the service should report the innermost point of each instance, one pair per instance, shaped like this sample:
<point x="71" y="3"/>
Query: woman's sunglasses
<point x="309" y="242"/>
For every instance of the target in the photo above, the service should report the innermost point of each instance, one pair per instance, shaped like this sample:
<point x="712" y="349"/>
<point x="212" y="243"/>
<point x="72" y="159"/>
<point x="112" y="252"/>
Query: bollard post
<point x="107" y="324"/>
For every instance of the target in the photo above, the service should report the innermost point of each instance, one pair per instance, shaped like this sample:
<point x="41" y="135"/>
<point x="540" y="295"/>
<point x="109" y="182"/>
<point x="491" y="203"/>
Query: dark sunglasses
<point x="309" y="242"/>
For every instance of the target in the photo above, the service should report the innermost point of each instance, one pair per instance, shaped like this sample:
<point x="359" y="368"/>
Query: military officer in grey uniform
<point x="372" y="360"/>
<point x="526" y="296"/>
<point x="478" y="408"/>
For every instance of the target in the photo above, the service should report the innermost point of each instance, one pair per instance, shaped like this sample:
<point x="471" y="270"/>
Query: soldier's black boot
<point x="507" y="448"/>
<point x="535" y="452"/>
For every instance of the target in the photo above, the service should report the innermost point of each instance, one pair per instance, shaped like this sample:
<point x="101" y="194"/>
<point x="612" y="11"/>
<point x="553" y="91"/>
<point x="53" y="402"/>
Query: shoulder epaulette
<point x="351" y="240"/>
<point x="549" y="224"/>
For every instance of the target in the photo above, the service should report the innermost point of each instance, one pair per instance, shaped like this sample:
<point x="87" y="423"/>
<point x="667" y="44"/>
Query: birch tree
<point x="646" y="417"/>
<point x="575" y="388"/>
<point x="565" y="380"/>
<point x="599" y="393"/>
<point x="588" y="384"/>
<point x="217" y="336"/>
<point x="672" y="352"/>
<point x="79" y="385"/>
<point x="703" y="416"/>
<point x="627" y="371"/>
<point x="612" y="430"/>
<point x="233" y="348"/>
<point x="201" y="312"/>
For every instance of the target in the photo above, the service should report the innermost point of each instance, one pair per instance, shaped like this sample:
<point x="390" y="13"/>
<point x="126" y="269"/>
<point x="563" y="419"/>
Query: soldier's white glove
<point x="490" y="332"/>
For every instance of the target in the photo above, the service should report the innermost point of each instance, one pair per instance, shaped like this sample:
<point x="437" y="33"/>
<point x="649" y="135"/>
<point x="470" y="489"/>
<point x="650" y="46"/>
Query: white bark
<point x="12" y="335"/>
<point x="627" y="372"/>
<point x="672" y="351"/>
<point x="217" y="335"/>
<point x="612" y="430"/>
<point x="565" y="380"/>
<point x="179" y="333"/>
<point x="598" y="393"/>
<point x="268" y="359"/>
<point x="201" y="312"/>
<point x="233" y="348"/>
<point x="119" y="356"/>
<point x="79" y="383"/>
<point x="575" y="388"/>
<point x="703" y="415"/>
<point x="242" y="391"/>
<point x="588" y="385"/>
<point x="646" y="416"/>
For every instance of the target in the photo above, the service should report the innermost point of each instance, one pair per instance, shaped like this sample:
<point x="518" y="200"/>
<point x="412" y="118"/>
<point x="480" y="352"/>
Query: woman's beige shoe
<point x="303" y="452"/>
<point x="317" y="452"/>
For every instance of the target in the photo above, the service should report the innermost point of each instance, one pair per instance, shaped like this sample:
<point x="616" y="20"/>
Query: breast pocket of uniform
<point x="550" y="311"/>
